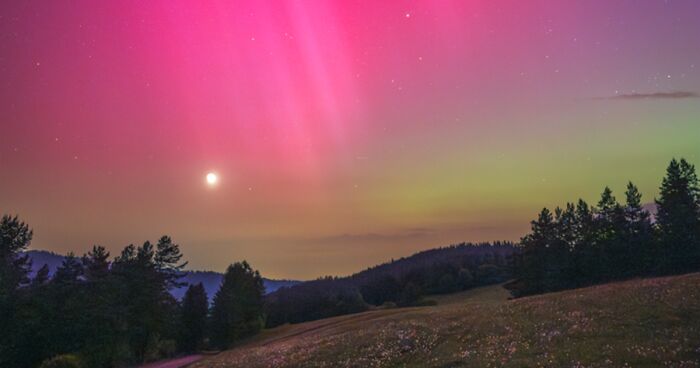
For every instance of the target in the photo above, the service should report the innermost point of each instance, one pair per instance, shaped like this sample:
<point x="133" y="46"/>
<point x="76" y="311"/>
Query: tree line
<point x="404" y="282"/>
<point x="97" y="312"/>
<point x="581" y="245"/>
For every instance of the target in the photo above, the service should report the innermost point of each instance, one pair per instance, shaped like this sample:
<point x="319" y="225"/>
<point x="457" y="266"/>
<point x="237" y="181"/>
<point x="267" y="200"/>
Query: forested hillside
<point x="402" y="282"/>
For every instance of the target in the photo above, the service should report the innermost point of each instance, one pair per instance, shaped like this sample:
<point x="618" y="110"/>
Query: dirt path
<point x="174" y="363"/>
<point x="333" y="323"/>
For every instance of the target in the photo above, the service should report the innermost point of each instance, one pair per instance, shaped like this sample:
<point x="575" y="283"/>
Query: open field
<point x="638" y="323"/>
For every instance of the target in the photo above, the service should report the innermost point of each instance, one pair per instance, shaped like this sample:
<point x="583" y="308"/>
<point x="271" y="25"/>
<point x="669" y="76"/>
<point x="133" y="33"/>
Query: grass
<point x="637" y="323"/>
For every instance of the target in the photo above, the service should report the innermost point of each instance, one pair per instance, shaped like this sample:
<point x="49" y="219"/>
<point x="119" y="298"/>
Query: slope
<point x="641" y="323"/>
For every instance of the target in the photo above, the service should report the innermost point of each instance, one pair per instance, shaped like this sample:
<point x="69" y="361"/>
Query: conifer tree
<point x="533" y="265"/>
<point x="585" y="246"/>
<point x="69" y="272"/>
<point x="237" y="308"/>
<point x="67" y="298"/>
<point x="15" y="237"/>
<point x="612" y="252"/>
<point x="678" y="219"/>
<point x="638" y="234"/>
<point x="96" y="263"/>
<point x="193" y="318"/>
<point x="41" y="277"/>
<point x="145" y="274"/>
<point x="167" y="260"/>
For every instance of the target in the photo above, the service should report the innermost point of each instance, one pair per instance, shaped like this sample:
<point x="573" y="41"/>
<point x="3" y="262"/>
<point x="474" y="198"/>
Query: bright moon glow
<point x="212" y="179"/>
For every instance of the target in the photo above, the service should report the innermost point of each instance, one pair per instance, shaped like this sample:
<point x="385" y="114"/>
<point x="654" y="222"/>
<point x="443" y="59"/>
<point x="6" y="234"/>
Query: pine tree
<point x="69" y="272"/>
<point x="145" y="275"/>
<point x="96" y="263"/>
<point x="532" y="270"/>
<point x="585" y="253"/>
<point x="638" y="234"/>
<point x="678" y="219"/>
<point x="566" y="236"/>
<point x="237" y="308"/>
<point x="612" y="252"/>
<point x="68" y="297"/>
<point x="15" y="237"/>
<point x="167" y="260"/>
<point x="41" y="277"/>
<point x="193" y="318"/>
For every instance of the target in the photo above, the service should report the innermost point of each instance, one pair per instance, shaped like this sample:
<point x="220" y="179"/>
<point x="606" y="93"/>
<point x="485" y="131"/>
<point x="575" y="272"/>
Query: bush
<point x="62" y="361"/>
<point x="388" y="305"/>
<point x="158" y="348"/>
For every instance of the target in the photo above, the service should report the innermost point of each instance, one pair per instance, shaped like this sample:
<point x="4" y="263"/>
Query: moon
<point x="212" y="179"/>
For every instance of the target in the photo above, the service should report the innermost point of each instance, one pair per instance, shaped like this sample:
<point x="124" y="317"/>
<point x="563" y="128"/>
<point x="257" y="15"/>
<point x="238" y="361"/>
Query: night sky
<point x="342" y="134"/>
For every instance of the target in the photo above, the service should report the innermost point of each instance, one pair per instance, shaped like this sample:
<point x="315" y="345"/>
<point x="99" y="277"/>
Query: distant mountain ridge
<point x="400" y="282"/>
<point x="210" y="279"/>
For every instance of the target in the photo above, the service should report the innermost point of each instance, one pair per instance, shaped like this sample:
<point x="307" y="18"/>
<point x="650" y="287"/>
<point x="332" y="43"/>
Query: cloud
<point x="367" y="237"/>
<point x="654" y="95"/>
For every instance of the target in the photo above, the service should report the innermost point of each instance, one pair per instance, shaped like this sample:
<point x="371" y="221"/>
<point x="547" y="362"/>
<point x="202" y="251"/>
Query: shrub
<point x="388" y="305"/>
<point x="62" y="361"/>
<point x="158" y="348"/>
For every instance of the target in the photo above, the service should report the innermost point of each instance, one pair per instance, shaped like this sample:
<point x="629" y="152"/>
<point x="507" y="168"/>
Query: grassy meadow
<point x="637" y="323"/>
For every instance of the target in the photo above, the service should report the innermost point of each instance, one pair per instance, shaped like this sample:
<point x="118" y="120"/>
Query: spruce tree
<point x="15" y="237"/>
<point x="585" y="254"/>
<point x="68" y="298"/>
<point x="193" y="318"/>
<point x="41" y="277"/>
<point x="532" y="270"/>
<point x="678" y="219"/>
<point x="638" y="234"/>
<point x="145" y="275"/>
<point x="96" y="263"/>
<point x="612" y="252"/>
<point x="167" y="260"/>
<point x="566" y="234"/>
<point x="237" y="308"/>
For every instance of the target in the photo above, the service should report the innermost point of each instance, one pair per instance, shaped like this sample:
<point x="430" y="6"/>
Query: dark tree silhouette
<point x="639" y="234"/>
<point x="193" y="318"/>
<point x="613" y="252"/>
<point x="15" y="237"/>
<point x="535" y="257"/>
<point x="237" y="307"/>
<point x="678" y="219"/>
<point x="613" y="241"/>
<point x="106" y="313"/>
<point x="96" y="263"/>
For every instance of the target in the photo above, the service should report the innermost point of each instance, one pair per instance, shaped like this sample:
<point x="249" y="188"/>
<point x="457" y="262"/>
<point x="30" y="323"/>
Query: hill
<point x="468" y="253"/>
<point x="638" y="323"/>
<point x="211" y="280"/>
<point x="401" y="282"/>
